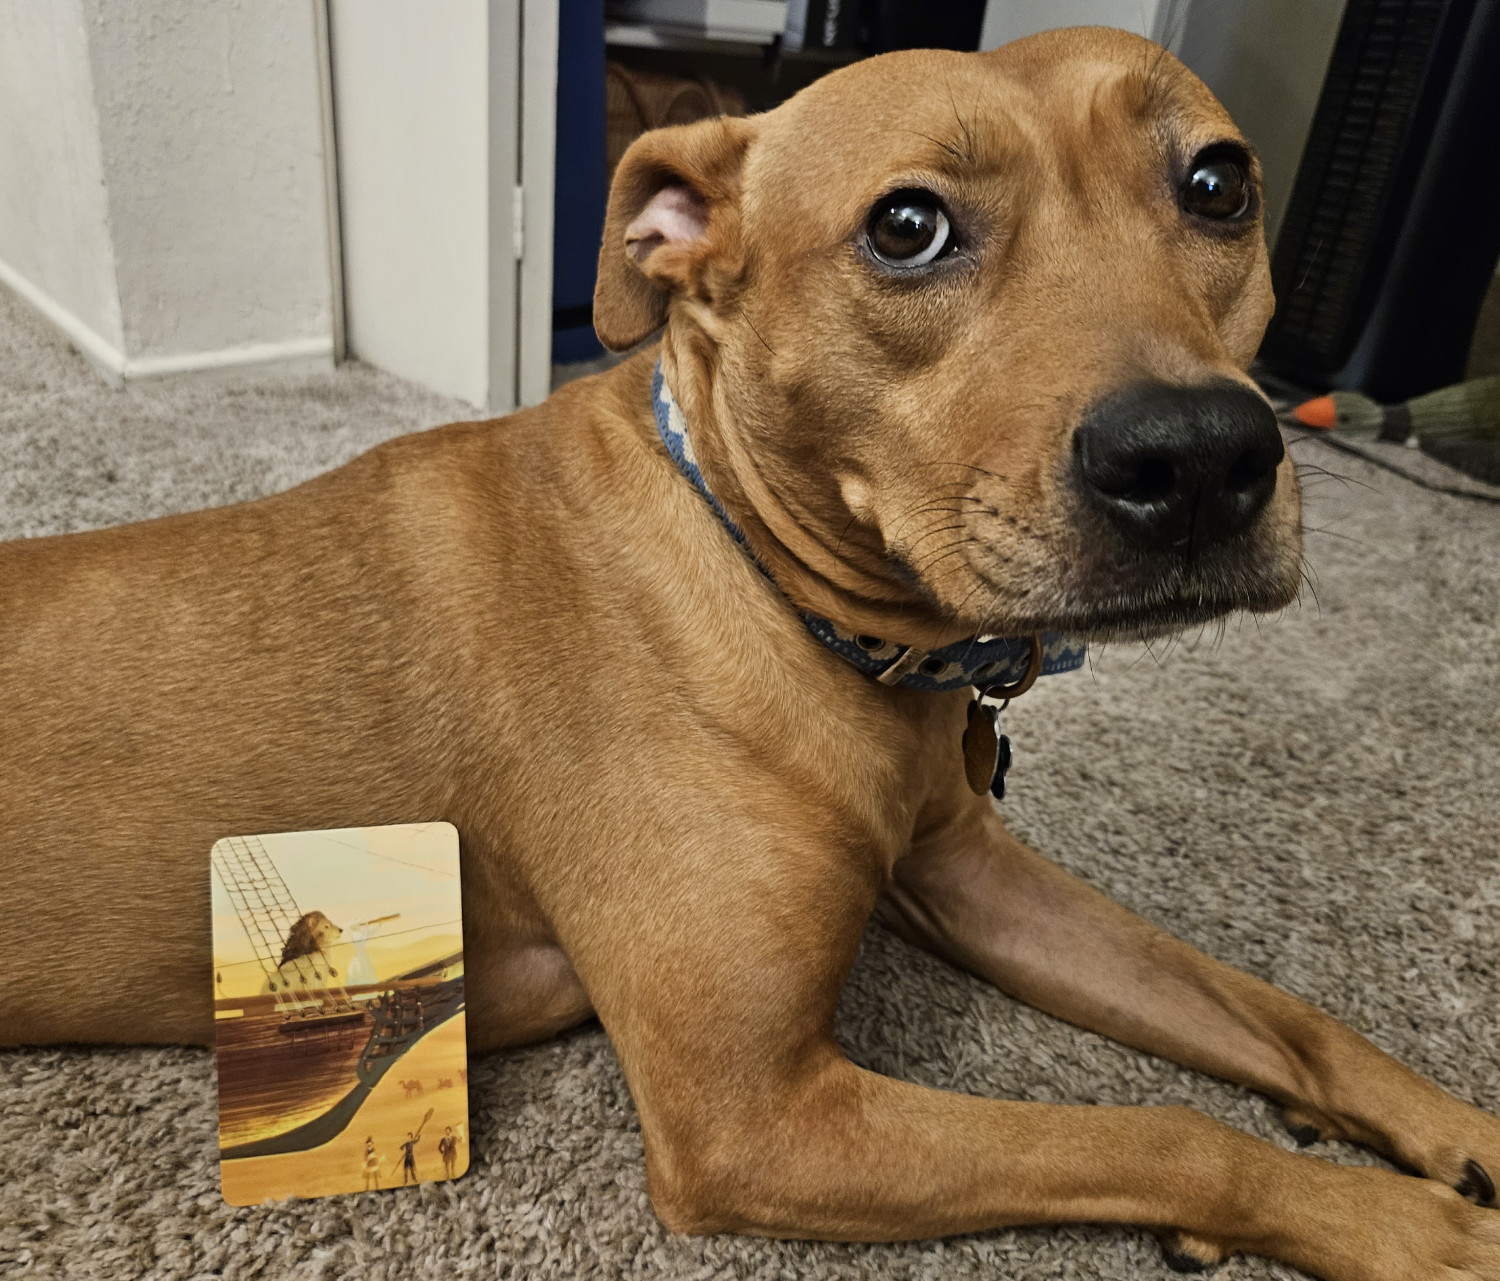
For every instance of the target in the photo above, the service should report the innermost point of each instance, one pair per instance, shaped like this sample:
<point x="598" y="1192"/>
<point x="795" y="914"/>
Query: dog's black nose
<point x="1179" y="468"/>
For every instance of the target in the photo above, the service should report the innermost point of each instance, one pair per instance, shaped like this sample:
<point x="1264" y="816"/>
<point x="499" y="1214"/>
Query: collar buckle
<point x="908" y="661"/>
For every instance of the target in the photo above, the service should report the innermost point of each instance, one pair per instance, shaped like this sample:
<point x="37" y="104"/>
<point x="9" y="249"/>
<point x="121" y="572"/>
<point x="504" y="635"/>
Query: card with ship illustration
<point x="339" y="1011"/>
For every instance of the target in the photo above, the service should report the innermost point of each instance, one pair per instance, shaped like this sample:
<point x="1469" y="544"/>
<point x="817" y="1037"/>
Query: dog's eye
<point x="1218" y="185"/>
<point x="909" y="229"/>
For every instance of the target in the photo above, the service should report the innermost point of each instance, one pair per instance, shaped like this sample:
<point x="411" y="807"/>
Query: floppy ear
<point x="673" y="211"/>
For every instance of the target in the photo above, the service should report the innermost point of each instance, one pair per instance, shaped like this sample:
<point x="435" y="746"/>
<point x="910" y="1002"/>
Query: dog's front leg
<point x="972" y="893"/>
<point x="716" y="976"/>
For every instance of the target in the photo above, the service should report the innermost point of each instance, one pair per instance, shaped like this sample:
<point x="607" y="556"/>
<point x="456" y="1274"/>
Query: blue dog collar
<point x="980" y="660"/>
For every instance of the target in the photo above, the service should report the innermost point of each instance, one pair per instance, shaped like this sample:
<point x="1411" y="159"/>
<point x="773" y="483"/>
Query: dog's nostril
<point x="1249" y="470"/>
<point x="1155" y="478"/>
<point x="1135" y="480"/>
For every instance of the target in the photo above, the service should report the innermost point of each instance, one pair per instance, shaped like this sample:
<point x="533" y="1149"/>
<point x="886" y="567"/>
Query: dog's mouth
<point x="1098" y="589"/>
<point x="1144" y="612"/>
<point x="1167" y="609"/>
<point x="1079" y="575"/>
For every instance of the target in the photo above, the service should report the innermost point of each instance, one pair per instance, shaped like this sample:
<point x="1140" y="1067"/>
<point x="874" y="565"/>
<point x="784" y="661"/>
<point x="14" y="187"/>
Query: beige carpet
<point x="1313" y="797"/>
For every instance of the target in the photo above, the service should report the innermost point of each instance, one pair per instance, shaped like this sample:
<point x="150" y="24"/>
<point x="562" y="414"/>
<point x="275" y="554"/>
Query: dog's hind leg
<point x="972" y="893"/>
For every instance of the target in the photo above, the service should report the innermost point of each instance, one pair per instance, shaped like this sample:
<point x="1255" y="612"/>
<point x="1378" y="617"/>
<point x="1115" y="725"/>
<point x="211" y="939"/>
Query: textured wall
<point x="54" y="218"/>
<point x="211" y="136"/>
<point x="162" y="189"/>
<point x="1007" y="20"/>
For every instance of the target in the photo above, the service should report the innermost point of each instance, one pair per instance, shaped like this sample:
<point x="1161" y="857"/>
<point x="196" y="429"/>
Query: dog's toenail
<point x="1476" y="1184"/>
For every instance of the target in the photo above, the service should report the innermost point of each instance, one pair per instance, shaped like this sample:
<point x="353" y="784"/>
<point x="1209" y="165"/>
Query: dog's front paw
<point x="1460" y="1241"/>
<point x="1437" y="1137"/>
<point x="1467" y="1155"/>
<point x="1406" y="1229"/>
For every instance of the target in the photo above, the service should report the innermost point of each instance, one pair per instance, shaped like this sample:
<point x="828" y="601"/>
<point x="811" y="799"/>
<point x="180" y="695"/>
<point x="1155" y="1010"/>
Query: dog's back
<point x="267" y="666"/>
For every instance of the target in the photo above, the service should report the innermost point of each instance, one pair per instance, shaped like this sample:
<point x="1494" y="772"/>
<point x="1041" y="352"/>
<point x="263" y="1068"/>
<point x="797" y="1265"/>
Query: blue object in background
<point x="580" y="189"/>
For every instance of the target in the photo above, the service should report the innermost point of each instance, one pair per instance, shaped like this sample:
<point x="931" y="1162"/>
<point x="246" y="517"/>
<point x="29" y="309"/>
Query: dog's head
<point x="961" y="339"/>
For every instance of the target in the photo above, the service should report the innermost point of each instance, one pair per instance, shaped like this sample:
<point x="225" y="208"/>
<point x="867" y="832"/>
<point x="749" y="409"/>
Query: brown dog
<point x="959" y="341"/>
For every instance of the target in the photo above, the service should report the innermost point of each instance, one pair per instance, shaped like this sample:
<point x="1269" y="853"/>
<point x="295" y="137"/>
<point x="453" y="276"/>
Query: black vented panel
<point x="1363" y="153"/>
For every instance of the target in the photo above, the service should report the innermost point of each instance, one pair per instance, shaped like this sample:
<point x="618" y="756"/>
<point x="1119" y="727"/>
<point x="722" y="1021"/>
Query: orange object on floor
<point x="1322" y="413"/>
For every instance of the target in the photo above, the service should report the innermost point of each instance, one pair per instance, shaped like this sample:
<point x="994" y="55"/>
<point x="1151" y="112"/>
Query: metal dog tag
<point x="981" y="747"/>
<point x="986" y="751"/>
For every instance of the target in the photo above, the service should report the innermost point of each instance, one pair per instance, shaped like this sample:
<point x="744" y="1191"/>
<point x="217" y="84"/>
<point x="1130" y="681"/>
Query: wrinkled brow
<point x="977" y="138"/>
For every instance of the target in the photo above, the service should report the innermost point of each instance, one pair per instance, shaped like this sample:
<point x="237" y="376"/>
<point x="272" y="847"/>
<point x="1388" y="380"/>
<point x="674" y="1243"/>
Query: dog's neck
<point x="843" y="575"/>
<point x="972" y="660"/>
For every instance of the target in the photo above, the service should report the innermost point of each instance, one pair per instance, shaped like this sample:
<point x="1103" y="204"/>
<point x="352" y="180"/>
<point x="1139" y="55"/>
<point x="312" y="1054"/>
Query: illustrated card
<point x="339" y="1011"/>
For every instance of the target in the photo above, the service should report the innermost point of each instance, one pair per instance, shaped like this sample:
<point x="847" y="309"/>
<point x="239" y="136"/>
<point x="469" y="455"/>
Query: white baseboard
<point x="104" y="356"/>
<point x="296" y="355"/>
<point x="293" y="356"/>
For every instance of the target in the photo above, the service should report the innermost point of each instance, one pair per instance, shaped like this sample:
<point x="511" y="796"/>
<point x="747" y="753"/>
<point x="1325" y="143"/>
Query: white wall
<point x="211" y="132"/>
<point x="411" y="108"/>
<point x="162" y="194"/>
<point x="55" y="247"/>
<point x="426" y="108"/>
<point x="1007" y="20"/>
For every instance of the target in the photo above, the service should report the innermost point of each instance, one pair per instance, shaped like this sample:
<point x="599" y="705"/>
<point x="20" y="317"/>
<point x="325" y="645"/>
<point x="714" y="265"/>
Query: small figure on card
<point x="372" y="1165"/>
